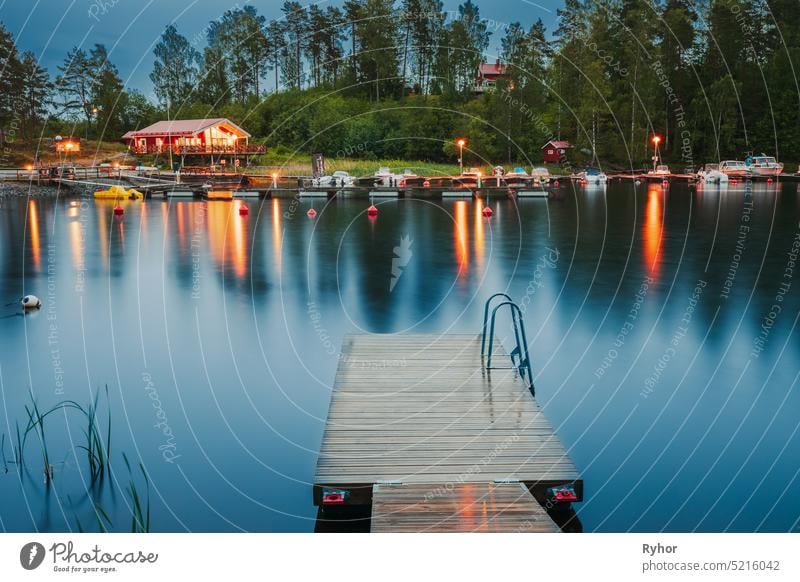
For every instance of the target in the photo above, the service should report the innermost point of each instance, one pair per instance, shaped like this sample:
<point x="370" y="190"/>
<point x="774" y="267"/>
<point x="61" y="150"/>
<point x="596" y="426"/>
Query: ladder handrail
<point x="486" y="318"/>
<point x="521" y="349"/>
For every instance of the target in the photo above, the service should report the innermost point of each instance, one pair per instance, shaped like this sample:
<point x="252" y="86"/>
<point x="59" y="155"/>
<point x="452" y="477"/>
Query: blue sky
<point x="130" y="28"/>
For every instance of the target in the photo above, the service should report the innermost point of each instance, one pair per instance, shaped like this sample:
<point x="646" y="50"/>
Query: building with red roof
<point x="555" y="151"/>
<point x="489" y="74"/>
<point x="192" y="136"/>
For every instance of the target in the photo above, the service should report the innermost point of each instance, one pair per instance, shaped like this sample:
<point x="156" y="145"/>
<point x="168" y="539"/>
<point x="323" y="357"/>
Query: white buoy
<point x="30" y="302"/>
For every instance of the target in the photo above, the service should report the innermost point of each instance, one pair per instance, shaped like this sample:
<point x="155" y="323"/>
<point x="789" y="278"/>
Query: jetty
<point x="443" y="433"/>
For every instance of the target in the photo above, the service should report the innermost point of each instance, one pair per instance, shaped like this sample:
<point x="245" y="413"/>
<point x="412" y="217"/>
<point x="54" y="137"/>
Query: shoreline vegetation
<point x="394" y="80"/>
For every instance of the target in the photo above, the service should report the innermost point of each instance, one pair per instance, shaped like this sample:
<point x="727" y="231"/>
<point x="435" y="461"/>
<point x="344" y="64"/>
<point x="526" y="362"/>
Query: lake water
<point x="662" y="325"/>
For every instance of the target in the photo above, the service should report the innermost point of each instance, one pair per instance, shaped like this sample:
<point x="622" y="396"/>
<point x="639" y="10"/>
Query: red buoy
<point x="769" y="180"/>
<point x="426" y="184"/>
<point x="665" y="183"/>
<point x="244" y="210"/>
<point x="488" y="211"/>
<point x="311" y="213"/>
<point x="118" y="210"/>
<point x="372" y="211"/>
<point x="555" y="183"/>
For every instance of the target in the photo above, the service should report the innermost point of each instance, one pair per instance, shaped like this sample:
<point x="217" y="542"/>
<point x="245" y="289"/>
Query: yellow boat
<point x="119" y="193"/>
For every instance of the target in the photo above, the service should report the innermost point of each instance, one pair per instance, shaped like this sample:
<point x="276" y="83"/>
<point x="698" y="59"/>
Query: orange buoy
<point x="311" y="213"/>
<point x="372" y="211"/>
<point x="244" y="210"/>
<point x="118" y="210"/>
<point x="488" y="211"/>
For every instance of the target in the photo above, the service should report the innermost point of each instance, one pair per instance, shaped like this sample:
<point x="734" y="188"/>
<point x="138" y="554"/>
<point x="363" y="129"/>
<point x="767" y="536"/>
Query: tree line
<point x="388" y="78"/>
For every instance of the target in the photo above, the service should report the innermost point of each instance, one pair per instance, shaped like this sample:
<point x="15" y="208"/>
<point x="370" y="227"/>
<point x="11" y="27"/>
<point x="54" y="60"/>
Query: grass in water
<point x="140" y="522"/>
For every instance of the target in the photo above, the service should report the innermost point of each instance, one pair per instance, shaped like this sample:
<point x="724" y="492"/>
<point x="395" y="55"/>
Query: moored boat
<point x="734" y="169"/>
<point x="763" y="166"/>
<point x="661" y="170"/>
<point x="710" y="174"/>
<point x="592" y="176"/>
<point x="541" y="174"/>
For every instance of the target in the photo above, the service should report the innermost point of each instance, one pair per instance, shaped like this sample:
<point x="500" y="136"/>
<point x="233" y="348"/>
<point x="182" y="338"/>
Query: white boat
<point x="384" y="177"/>
<point x="517" y="178"/>
<point x="710" y="174"/>
<point x="763" y="166"/>
<point x="661" y="170"/>
<point x="592" y="176"/>
<point x="541" y="174"/>
<point x="406" y="175"/>
<point x="734" y="169"/>
<point x="338" y="179"/>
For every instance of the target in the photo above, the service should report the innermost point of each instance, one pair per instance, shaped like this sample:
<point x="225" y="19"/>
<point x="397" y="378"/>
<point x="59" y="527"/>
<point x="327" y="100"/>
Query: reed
<point x="140" y="522"/>
<point x="3" y="452"/>
<point x="97" y="450"/>
<point x="36" y="423"/>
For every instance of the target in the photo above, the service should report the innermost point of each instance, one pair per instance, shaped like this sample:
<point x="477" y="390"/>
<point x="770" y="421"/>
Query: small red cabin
<point x="191" y="136"/>
<point x="555" y="151"/>
<point x="489" y="74"/>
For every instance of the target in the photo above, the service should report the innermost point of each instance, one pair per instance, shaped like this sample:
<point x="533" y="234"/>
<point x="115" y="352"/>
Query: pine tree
<point x="175" y="71"/>
<point x="36" y="90"/>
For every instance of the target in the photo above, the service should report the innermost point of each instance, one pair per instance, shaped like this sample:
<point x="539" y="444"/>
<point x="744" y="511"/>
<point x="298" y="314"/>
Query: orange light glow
<point x="76" y="245"/>
<point x="461" y="143"/>
<point x="227" y="237"/>
<point x="239" y="242"/>
<point x="276" y="234"/>
<point x="461" y="236"/>
<point x="656" y="139"/>
<point x="653" y="228"/>
<point x="479" y="233"/>
<point x="33" y="228"/>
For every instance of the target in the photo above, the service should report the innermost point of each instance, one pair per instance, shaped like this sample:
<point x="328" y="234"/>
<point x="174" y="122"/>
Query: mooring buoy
<point x="30" y="302"/>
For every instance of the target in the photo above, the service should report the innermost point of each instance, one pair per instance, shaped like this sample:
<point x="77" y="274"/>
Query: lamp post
<point x="95" y="111"/>
<point x="461" y="143"/>
<point x="656" y="141"/>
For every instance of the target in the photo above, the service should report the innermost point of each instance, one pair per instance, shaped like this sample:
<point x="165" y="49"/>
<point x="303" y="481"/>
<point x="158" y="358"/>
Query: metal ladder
<point x="520" y="357"/>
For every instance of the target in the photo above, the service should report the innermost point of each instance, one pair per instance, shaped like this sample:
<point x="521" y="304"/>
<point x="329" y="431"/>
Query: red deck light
<point x="334" y="497"/>
<point x="562" y="494"/>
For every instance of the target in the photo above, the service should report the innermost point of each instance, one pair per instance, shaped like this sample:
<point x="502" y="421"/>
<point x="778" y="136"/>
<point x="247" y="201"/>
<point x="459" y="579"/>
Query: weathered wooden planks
<point x="421" y="409"/>
<point x="469" y="507"/>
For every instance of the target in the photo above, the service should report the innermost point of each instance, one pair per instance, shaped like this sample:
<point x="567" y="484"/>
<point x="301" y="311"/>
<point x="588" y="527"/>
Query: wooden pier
<point x="422" y="431"/>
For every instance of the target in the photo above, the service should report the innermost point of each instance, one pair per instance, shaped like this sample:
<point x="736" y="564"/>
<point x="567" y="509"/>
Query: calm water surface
<point x="664" y="345"/>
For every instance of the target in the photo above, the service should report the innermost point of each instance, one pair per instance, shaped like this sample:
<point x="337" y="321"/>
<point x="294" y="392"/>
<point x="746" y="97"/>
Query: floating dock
<point x="422" y="431"/>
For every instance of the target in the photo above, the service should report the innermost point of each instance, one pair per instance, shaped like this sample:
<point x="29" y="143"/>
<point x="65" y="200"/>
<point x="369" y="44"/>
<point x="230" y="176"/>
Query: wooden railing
<point x="243" y="149"/>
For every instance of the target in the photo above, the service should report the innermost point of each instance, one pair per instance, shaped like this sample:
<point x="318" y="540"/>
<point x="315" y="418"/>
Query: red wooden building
<point x="555" y="151"/>
<point x="192" y="136"/>
<point x="489" y="74"/>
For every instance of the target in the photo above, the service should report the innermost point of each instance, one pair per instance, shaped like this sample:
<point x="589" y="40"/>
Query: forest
<point x="396" y="79"/>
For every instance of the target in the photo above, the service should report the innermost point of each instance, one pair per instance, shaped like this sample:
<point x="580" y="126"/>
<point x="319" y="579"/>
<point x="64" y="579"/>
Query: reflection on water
<point x="672" y="416"/>
<point x="653" y="228"/>
<point x="461" y="236"/>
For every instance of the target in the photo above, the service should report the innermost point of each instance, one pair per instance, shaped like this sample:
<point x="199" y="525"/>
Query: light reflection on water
<point x="238" y="319"/>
